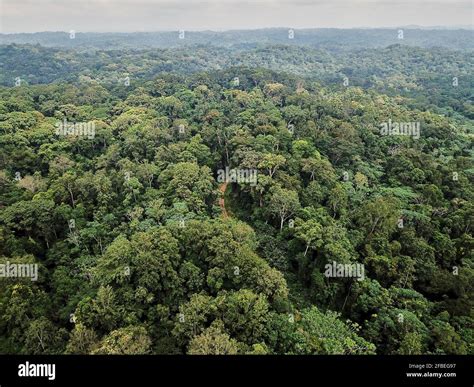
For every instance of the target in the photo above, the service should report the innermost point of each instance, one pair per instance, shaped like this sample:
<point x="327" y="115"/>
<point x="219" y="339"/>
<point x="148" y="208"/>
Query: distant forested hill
<point x="328" y="38"/>
<point x="439" y="78"/>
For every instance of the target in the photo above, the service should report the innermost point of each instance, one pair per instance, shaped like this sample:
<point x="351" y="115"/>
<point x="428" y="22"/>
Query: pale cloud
<point x="159" y="15"/>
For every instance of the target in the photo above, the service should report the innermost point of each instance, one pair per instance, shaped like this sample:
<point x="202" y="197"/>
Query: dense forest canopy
<point x="342" y="225"/>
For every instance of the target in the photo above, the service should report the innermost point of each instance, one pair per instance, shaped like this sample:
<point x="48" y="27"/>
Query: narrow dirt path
<point x="222" y="189"/>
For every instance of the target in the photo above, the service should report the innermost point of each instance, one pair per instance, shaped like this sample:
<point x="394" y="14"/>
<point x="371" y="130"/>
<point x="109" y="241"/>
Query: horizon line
<point x="410" y="26"/>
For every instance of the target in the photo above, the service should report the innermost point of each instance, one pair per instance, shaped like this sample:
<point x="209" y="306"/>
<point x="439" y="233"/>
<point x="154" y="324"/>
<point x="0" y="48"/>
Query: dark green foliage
<point x="135" y="255"/>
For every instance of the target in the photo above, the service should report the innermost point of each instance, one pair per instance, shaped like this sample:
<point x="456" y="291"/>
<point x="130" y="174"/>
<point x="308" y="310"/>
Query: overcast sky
<point x="158" y="15"/>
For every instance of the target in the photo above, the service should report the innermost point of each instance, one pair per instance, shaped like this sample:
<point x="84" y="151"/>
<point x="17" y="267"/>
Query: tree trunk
<point x="72" y="197"/>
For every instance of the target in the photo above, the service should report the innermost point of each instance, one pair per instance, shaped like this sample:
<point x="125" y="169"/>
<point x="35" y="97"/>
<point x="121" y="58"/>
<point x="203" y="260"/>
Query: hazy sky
<point x="157" y="15"/>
